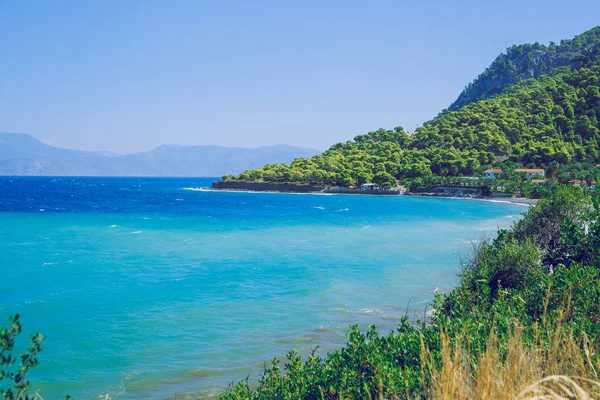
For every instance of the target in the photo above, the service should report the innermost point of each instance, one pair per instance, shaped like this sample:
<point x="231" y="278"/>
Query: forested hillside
<point x="531" y="61"/>
<point x="534" y="122"/>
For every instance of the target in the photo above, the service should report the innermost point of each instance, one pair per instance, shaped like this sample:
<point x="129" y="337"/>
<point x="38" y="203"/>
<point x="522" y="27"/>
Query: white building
<point x="531" y="172"/>
<point x="492" y="173"/>
<point x="369" y="186"/>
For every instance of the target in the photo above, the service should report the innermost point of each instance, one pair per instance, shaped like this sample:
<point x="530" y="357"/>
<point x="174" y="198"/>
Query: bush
<point x="515" y="318"/>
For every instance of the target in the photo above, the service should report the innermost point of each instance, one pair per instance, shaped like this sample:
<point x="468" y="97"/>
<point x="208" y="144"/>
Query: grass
<point x="555" y="365"/>
<point x="524" y="323"/>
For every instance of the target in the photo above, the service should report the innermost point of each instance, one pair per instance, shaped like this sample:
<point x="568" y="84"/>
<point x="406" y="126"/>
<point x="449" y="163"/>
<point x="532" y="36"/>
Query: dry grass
<point x="551" y="364"/>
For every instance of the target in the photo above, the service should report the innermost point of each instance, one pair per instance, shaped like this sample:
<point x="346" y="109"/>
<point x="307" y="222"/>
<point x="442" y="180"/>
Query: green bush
<point x="514" y="280"/>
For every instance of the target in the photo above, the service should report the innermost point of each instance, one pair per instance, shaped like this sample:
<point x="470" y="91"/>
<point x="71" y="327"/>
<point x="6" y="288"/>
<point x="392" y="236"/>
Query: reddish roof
<point x="529" y="170"/>
<point x="538" y="180"/>
<point x="496" y="171"/>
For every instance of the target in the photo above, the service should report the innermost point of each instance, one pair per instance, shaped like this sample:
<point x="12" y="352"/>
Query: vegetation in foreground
<point x="523" y="323"/>
<point x="14" y="384"/>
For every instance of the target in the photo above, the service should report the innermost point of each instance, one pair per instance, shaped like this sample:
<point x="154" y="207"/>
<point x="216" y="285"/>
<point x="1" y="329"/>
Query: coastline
<point x="510" y="200"/>
<point x="513" y="200"/>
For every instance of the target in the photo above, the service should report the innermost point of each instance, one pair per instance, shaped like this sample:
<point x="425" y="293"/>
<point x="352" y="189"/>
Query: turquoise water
<point x="183" y="291"/>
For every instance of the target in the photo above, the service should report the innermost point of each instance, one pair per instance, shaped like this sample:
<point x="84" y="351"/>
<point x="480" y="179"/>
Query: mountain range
<point x="22" y="154"/>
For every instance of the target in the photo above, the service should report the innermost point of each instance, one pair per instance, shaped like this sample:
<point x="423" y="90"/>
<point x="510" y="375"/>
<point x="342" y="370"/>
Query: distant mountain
<point x="21" y="154"/>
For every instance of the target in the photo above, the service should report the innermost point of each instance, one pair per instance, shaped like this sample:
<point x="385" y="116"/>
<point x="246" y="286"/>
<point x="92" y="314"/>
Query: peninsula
<point x="536" y="107"/>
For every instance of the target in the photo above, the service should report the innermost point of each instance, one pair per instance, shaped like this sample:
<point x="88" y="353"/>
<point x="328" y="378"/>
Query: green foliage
<point x="504" y="264"/>
<point x="14" y="384"/>
<point x="531" y="60"/>
<point x="551" y="122"/>
<point x="17" y="376"/>
<point x="385" y="180"/>
<point x="543" y="274"/>
<point x="543" y="224"/>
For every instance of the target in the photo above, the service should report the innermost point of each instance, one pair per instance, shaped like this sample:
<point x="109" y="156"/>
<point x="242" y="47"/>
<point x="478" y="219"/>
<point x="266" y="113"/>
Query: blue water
<point x="147" y="287"/>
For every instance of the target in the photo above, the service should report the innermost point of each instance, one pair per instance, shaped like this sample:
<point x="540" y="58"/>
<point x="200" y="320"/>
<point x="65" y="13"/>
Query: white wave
<point x="34" y="301"/>
<point x="197" y="189"/>
<point x="261" y="191"/>
<point x="319" y="207"/>
<point x="370" y="311"/>
<point x="135" y="233"/>
<point x="112" y="226"/>
<point x="310" y="194"/>
<point x="342" y="209"/>
<point x="465" y="241"/>
<point x="509" y="202"/>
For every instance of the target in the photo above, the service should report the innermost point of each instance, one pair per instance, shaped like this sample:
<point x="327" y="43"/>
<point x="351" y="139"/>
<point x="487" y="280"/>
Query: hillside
<point x="22" y="154"/>
<point x="531" y="61"/>
<point x="533" y="122"/>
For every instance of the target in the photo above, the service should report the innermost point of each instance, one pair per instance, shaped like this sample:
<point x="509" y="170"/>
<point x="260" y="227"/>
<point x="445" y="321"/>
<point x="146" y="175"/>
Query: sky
<point x="126" y="76"/>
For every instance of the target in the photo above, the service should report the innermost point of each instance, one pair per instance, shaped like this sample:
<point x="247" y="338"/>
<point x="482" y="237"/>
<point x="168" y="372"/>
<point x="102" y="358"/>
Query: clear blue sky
<point x="129" y="75"/>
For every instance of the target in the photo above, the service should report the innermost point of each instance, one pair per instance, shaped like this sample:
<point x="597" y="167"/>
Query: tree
<point x="27" y="360"/>
<point x="228" y="178"/>
<point x="385" y="180"/>
<point x="347" y="181"/>
<point x="552" y="170"/>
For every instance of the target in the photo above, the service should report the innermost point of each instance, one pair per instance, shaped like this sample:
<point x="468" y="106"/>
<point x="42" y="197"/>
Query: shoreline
<point x="509" y="200"/>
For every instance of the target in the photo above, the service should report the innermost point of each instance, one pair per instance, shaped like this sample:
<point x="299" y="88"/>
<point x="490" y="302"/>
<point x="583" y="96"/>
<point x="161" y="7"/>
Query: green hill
<point x="534" y="122"/>
<point x="531" y="61"/>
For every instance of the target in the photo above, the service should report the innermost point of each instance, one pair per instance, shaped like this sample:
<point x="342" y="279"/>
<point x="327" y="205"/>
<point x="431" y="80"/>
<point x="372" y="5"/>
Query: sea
<point x="154" y="288"/>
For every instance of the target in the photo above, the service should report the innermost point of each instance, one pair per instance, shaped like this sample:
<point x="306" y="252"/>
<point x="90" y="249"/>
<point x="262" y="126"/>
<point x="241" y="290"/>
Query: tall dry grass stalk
<point x="547" y="362"/>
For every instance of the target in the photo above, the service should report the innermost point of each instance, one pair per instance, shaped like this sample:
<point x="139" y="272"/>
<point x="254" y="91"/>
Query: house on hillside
<point x="540" y="182"/>
<point x="492" y="173"/>
<point x="531" y="172"/>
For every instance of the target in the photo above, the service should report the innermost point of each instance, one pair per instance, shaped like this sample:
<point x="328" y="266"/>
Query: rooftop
<point x="529" y="170"/>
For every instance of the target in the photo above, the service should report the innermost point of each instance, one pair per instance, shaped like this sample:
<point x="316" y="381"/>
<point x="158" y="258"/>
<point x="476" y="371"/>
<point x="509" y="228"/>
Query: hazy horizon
<point x="50" y="143"/>
<point x="127" y="77"/>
